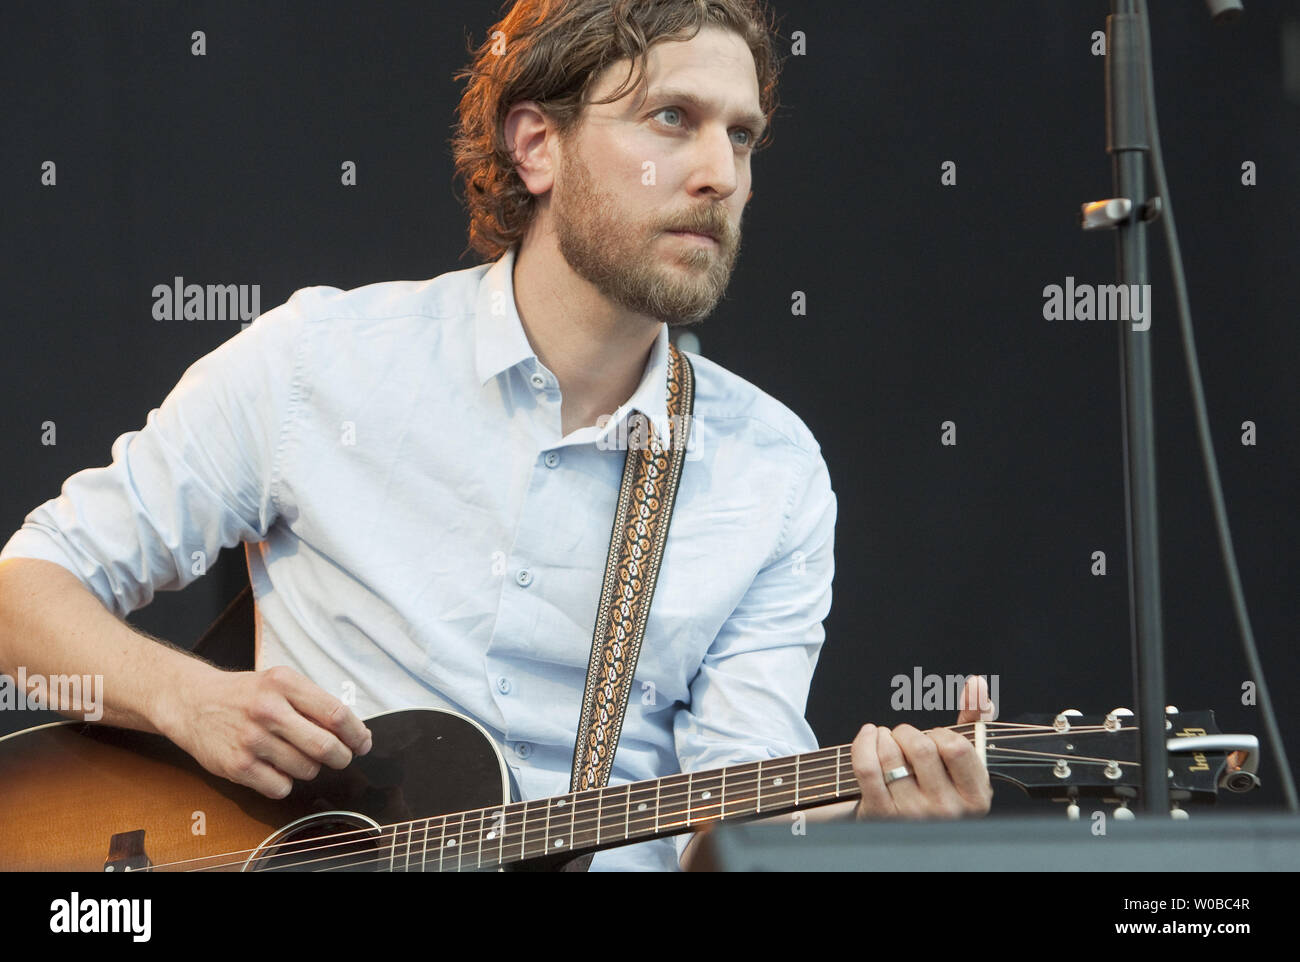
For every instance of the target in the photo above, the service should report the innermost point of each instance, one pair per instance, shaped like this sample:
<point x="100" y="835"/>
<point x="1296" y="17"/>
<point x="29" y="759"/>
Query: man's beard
<point x="626" y="270"/>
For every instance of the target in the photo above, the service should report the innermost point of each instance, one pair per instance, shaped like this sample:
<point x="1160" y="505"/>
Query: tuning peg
<point x="1072" y="811"/>
<point x="1171" y="709"/>
<point x="1124" y="813"/>
<point x="1112" y="722"/>
<point x="1062" y="721"/>
<point x="1177" y="814"/>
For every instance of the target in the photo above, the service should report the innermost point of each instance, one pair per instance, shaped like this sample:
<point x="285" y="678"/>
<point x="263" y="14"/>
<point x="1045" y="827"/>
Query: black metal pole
<point x="1127" y="141"/>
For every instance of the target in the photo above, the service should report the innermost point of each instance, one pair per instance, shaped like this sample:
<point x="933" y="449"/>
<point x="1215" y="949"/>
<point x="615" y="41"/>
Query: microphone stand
<point x="1128" y="212"/>
<point x="1128" y="142"/>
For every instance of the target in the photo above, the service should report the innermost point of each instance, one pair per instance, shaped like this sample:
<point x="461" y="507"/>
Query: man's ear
<point x="533" y="144"/>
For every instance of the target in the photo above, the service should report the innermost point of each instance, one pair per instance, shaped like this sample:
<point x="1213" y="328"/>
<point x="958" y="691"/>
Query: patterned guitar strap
<point x="636" y="546"/>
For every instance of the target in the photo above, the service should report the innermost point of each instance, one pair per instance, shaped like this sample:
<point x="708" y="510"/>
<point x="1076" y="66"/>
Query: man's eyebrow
<point x="755" y="121"/>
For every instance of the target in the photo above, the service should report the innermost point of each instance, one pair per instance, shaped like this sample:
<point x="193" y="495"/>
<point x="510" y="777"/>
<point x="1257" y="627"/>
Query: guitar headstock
<point x="1070" y="755"/>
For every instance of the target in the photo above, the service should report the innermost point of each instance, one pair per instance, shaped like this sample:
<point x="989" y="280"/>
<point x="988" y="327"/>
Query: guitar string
<point x="776" y="770"/>
<point x="402" y="851"/>
<point x="472" y="833"/>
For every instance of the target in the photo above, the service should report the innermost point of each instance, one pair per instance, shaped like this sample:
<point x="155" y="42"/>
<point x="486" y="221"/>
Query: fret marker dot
<point x="559" y="842"/>
<point x="641" y="807"/>
<point x="776" y="781"/>
<point x="492" y="834"/>
<point x="560" y="803"/>
<point x="705" y="794"/>
<point x="451" y="842"/>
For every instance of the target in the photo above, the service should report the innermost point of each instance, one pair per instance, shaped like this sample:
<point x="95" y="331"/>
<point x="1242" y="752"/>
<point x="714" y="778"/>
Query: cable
<point x="1203" y="426"/>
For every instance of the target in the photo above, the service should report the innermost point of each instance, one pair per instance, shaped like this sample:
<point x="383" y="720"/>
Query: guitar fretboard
<point x="600" y="818"/>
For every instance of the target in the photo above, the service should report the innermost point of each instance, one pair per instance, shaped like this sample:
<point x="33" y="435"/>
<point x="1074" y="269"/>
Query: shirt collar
<point x="500" y="344"/>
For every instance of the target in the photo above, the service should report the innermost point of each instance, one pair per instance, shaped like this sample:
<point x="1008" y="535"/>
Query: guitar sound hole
<point x="331" y="842"/>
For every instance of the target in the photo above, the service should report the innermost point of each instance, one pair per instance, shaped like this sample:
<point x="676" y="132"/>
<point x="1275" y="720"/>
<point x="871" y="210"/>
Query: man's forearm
<point x="835" y="812"/>
<point x="51" y="625"/>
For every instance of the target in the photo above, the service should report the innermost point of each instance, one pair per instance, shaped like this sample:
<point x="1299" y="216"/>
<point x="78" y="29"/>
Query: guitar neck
<point x="570" y="825"/>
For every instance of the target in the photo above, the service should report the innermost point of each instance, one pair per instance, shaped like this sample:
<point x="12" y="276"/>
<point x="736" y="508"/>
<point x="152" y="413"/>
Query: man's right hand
<point x="262" y="729"/>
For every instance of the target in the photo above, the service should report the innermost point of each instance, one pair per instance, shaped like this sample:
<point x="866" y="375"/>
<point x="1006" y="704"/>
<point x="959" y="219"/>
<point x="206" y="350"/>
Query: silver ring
<point x="894" y="774"/>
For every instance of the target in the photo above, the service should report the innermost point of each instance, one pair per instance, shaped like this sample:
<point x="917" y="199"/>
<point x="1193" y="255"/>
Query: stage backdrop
<point x="919" y="196"/>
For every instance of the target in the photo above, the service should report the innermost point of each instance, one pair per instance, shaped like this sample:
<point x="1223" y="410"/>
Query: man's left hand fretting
<point x="946" y="777"/>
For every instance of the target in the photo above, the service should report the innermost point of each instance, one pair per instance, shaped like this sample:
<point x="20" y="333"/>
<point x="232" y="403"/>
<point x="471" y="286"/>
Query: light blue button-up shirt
<point x="420" y="533"/>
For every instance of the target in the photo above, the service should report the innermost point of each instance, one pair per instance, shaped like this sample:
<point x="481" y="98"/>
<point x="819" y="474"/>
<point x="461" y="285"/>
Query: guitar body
<point x="73" y="792"/>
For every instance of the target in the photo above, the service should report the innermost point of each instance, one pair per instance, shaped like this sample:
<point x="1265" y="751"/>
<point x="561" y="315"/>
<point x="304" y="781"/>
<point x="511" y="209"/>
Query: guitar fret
<point x="759" y="793"/>
<point x="442" y="841"/>
<point x="459" y="840"/>
<point x="704" y="786"/>
<point x="424" y="849"/>
<point x="520" y="809"/>
<point x="482" y="815"/>
<point x="523" y="834"/>
<point x="672" y="812"/>
<point x="573" y="819"/>
<point x="546" y="840"/>
<point x="796" y="780"/>
<point x="613" y="820"/>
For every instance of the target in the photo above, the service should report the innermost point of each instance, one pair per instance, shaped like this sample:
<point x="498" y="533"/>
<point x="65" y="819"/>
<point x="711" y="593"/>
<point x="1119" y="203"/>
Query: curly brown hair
<point x="550" y="51"/>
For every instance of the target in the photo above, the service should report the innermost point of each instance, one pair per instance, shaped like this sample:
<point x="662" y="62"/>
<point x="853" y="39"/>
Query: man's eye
<point x="669" y="110"/>
<point x="749" y="136"/>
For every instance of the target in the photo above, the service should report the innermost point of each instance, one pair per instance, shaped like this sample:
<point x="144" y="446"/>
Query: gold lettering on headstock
<point x="1202" y="765"/>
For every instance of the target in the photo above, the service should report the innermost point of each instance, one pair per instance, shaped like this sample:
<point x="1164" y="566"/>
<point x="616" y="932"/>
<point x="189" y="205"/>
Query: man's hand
<point x="947" y="778"/>
<point x="261" y="729"/>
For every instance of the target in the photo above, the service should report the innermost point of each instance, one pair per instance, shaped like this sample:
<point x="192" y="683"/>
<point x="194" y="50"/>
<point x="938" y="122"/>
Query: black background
<point x="924" y="301"/>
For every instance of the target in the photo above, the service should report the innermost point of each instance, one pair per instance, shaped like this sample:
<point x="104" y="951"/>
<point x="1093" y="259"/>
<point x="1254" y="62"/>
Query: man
<point x="425" y="480"/>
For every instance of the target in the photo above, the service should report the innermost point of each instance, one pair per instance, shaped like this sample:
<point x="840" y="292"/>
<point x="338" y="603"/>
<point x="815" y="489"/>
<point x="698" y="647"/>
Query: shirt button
<point x="523" y="749"/>
<point x="503" y="685"/>
<point x="552" y="458"/>
<point x="538" y="380"/>
<point x="524" y="578"/>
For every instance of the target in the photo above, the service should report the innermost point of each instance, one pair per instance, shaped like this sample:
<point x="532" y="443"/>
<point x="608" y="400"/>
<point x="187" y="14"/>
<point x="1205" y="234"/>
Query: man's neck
<point x="597" y="350"/>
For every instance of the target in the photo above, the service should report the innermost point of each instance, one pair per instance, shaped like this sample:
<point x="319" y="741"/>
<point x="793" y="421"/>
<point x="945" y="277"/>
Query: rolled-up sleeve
<point x="749" y="697"/>
<point x="200" y="475"/>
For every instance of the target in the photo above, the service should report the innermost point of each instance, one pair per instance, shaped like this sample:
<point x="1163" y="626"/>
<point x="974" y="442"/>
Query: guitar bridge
<point x="126" y="853"/>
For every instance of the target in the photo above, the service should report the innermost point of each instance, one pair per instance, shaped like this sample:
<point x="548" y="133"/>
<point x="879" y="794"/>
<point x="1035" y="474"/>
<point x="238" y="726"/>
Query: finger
<point x="325" y="710"/>
<point x="309" y="739"/>
<point x="936" y="796"/>
<point x="285" y="758"/>
<point x="876" y="799"/>
<point x="921" y="755"/>
<point x="905" y="792"/>
<point x="263" y="778"/>
<point x="975" y="703"/>
<point x="969" y="776"/>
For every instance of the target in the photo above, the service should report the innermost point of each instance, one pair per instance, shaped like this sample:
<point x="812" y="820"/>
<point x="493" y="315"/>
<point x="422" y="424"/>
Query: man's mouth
<point x="693" y="235"/>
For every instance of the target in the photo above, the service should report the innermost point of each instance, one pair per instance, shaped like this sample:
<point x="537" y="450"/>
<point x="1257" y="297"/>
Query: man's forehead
<point x="714" y="65"/>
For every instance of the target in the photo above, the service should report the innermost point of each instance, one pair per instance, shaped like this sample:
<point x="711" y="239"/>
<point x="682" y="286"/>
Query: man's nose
<point x="715" y="162"/>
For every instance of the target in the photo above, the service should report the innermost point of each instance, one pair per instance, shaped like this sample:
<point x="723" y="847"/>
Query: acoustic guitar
<point x="434" y="794"/>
